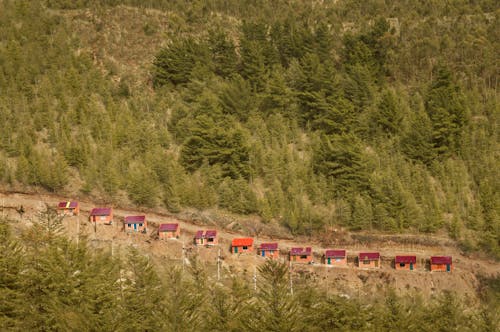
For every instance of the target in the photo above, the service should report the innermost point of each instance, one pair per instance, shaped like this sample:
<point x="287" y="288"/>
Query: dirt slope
<point x="350" y="281"/>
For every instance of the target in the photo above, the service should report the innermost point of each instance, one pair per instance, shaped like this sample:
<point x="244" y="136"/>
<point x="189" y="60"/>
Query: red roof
<point x="100" y="212"/>
<point x="210" y="234"/>
<point x="440" y="259"/>
<point x="335" y="253"/>
<point x="67" y="205"/>
<point x="168" y="227"/>
<point x="269" y="246"/>
<point x="405" y="259"/>
<point x="301" y="251"/>
<point x="135" y="219"/>
<point x="239" y="242"/>
<point x="369" y="256"/>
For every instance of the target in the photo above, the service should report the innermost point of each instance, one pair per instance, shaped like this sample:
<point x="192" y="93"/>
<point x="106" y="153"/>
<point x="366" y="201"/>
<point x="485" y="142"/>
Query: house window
<point x="210" y="239"/>
<point x="366" y="262"/>
<point x="129" y="225"/>
<point x="140" y="225"/>
<point x="338" y="259"/>
<point x="245" y="247"/>
<point x="303" y="257"/>
<point x="402" y="264"/>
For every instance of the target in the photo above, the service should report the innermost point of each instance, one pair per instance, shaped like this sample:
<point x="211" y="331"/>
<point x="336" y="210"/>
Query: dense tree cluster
<point x="291" y="112"/>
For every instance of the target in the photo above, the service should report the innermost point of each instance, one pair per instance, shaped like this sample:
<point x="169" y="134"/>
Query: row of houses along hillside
<point x="136" y="223"/>
<point x="336" y="257"/>
<point x="270" y="250"/>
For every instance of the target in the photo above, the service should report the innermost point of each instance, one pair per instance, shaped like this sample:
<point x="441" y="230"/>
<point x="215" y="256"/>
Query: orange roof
<point x="247" y="241"/>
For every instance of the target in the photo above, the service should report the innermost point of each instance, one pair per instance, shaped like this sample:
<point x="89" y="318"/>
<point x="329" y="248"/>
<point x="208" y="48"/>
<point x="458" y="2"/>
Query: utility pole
<point x="291" y="279"/>
<point x="182" y="257"/>
<point x="77" y="230"/>
<point x="255" y="278"/>
<point x="218" y="265"/>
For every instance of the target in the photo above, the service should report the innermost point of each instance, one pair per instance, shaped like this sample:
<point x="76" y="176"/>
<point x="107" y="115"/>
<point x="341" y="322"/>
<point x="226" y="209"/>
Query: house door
<point x="448" y="267"/>
<point x="376" y="263"/>
<point x="235" y="250"/>
<point x="135" y="227"/>
<point x="411" y="266"/>
<point x="263" y="253"/>
<point x="329" y="261"/>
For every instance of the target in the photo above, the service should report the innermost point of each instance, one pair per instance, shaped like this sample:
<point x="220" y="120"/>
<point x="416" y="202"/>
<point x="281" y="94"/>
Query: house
<point x="102" y="215"/>
<point x="301" y="255"/>
<point x="441" y="263"/>
<point x="335" y="257"/>
<point x="208" y="238"/>
<point x="135" y="224"/>
<point x="405" y="263"/>
<point x="269" y="250"/>
<point x="369" y="259"/>
<point x="68" y="208"/>
<point x="169" y="231"/>
<point x="240" y="245"/>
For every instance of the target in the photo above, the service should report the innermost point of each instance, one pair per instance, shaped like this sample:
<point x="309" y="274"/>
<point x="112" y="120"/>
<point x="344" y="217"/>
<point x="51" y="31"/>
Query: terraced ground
<point x="350" y="281"/>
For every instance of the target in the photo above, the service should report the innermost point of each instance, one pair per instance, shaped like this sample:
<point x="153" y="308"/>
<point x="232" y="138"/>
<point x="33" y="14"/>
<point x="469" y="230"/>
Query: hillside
<point x="472" y="280"/>
<point x="353" y="124"/>
<point x="468" y="270"/>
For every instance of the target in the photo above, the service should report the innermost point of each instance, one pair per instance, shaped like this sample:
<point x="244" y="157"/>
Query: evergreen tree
<point x="341" y="159"/>
<point x="276" y="309"/>
<point x="448" y="114"/>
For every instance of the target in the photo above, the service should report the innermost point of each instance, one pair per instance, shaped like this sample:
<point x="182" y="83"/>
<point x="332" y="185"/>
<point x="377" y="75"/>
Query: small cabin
<point x="169" y="231"/>
<point x="369" y="259"/>
<point x="208" y="238"/>
<point x="101" y="215"/>
<point x="408" y="263"/>
<point x="335" y="257"/>
<point x="441" y="263"/>
<point x="241" y="245"/>
<point x="135" y="224"/>
<point x="301" y="255"/>
<point x="68" y="208"/>
<point x="269" y="250"/>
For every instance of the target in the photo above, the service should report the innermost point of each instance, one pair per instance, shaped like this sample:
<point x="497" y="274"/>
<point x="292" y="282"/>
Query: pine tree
<point x="447" y="111"/>
<point x="142" y="295"/>
<point x="276" y="309"/>
<point x="341" y="159"/>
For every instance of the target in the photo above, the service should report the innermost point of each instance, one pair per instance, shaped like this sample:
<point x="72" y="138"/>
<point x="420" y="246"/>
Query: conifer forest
<point x="374" y="117"/>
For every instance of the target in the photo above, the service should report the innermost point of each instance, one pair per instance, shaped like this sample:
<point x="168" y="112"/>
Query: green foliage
<point x="174" y="64"/>
<point x="276" y="308"/>
<point x="341" y="159"/>
<point x="56" y="285"/>
<point x="363" y="114"/>
<point x="223" y="146"/>
<point x="448" y="114"/>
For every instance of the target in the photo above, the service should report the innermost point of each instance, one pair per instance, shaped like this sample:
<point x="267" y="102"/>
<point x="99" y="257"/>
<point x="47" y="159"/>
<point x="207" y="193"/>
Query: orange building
<point x="241" y="245"/>
<point x="102" y="215"/>
<point x="68" y="208"/>
<point x="208" y="238"/>
<point x="335" y="257"/>
<point x="169" y="231"/>
<point x="408" y="263"/>
<point x="441" y="263"/>
<point x="135" y="224"/>
<point x="369" y="259"/>
<point x="269" y="250"/>
<point x="301" y="255"/>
